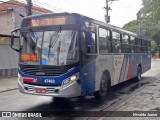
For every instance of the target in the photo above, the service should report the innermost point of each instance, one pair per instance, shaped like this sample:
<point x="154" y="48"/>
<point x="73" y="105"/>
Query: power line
<point x="37" y="3"/>
<point x="48" y="6"/>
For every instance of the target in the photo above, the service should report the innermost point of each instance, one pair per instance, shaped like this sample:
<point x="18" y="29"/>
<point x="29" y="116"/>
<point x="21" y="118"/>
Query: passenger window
<point x="144" y="46"/>
<point x="149" y="46"/>
<point x="116" y="42"/>
<point x="104" y="41"/>
<point x="126" y="48"/>
<point x="133" y="44"/>
<point x="138" y="45"/>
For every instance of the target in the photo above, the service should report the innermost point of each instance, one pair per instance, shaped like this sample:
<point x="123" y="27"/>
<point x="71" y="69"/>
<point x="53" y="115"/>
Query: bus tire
<point x="103" y="88"/>
<point x="139" y="73"/>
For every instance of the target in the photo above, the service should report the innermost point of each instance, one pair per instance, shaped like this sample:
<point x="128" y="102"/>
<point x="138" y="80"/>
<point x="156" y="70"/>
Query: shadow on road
<point x="89" y="103"/>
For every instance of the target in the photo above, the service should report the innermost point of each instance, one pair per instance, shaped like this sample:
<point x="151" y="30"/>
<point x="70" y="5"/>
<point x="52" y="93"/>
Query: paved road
<point x="15" y="101"/>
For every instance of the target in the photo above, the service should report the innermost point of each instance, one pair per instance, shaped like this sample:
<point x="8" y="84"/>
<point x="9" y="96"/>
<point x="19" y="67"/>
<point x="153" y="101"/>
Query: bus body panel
<point x="104" y="63"/>
<point x="55" y="88"/>
<point x="40" y="80"/>
<point x="72" y="90"/>
<point x="146" y="62"/>
<point x="88" y="75"/>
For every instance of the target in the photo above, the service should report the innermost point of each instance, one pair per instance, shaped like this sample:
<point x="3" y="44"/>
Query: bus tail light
<point x="28" y="79"/>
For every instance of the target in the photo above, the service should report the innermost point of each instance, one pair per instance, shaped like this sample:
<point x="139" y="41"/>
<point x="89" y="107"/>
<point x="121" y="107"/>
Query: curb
<point x="8" y="90"/>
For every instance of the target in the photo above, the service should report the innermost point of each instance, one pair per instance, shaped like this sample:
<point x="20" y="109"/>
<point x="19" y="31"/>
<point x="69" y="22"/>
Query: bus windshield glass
<point x="58" y="47"/>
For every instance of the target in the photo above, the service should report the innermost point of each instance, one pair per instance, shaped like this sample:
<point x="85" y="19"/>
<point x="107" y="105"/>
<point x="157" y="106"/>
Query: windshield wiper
<point x="53" y="40"/>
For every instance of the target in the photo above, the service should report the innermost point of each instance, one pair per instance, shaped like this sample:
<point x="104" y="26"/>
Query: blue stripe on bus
<point x="87" y="76"/>
<point x="58" y="79"/>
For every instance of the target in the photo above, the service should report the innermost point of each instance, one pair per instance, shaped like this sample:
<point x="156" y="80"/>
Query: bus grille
<point x="43" y="70"/>
<point x="31" y="88"/>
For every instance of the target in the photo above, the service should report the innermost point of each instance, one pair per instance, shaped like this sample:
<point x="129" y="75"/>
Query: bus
<point x="70" y="55"/>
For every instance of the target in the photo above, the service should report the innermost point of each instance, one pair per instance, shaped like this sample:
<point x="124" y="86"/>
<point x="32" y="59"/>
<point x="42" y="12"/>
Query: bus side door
<point x="89" y="56"/>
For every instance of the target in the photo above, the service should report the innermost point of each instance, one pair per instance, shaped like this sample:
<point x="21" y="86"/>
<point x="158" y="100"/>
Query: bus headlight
<point x="20" y="78"/>
<point x="71" y="79"/>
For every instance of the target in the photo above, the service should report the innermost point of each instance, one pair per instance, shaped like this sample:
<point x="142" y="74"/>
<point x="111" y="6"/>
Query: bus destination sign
<point x="47" y="21"/>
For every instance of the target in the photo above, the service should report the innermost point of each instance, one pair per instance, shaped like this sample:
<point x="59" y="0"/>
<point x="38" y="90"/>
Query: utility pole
<point x="107" y="17"/>
<point x="29" y="7"/>
<point x="139" y="21"/>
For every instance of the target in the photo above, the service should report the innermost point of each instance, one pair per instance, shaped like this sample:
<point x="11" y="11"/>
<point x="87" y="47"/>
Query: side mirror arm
<point x="12" y="41"/>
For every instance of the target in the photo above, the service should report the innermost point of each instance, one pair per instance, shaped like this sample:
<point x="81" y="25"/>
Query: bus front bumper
<point x="71" y="90"/>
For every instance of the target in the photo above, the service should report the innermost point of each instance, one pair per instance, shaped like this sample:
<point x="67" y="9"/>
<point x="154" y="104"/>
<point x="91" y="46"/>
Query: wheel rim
<point x="103" y="87"/>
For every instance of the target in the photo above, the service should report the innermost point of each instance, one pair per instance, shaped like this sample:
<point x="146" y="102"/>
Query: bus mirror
<point x="15" y="35"/>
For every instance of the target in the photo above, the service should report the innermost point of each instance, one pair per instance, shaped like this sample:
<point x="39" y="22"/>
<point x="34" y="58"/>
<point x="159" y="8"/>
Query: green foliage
<point x="148" y="21"/>
<point x="132" y="26"/>
<point x="154" y="45"/>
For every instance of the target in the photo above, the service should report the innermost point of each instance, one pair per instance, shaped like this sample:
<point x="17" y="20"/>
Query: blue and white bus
<point x="70" y="55"/>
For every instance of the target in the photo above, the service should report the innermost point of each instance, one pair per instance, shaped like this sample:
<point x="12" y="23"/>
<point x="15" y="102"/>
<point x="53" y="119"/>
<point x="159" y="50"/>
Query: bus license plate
<point x="40" y="90"/>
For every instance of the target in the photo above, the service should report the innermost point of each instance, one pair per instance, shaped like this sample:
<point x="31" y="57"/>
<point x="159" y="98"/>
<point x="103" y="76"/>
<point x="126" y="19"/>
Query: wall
<point x="10" y="21"/>
<point x="8" y="58"/>
<point x="6" y="22"/>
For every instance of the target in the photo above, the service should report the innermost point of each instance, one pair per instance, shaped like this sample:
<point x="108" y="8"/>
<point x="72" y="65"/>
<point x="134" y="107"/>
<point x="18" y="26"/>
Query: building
<point x="11" y="15"/>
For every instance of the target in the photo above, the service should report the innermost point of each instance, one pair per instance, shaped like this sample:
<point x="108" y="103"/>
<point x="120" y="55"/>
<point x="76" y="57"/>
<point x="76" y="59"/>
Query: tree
<point x="132" y="26"/>
<point x="148" y="21"/>
<point x="154" y="45"/>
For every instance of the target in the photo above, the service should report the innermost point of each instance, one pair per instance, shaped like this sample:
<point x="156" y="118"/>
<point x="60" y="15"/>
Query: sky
<point x="123" y="11"/>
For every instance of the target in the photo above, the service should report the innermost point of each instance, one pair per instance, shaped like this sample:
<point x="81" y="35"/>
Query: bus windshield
<point x="58" y="47"/>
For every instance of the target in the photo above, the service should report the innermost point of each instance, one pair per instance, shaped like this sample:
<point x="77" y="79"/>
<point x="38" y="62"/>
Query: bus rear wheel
<point x="103" y="88"/>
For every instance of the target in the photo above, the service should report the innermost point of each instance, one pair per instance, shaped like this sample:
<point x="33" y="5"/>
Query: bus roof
<point x="112" y="27"/>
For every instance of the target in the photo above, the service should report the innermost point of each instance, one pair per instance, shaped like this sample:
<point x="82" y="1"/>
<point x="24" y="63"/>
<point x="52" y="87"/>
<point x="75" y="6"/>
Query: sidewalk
<point x="8" y="83"/>
<point x="155" y="59"/>
<point x="147" y="99"/>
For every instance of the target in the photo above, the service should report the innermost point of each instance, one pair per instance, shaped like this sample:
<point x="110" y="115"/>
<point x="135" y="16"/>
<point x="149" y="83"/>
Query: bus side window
<point x="149" y="46"/>
<point x="90" y="39"/>
<point x="138" y="44"/>
<point x="104" y="41"/>
<point x="126" y="47"/>
<point x="133" y="44"/>
<point x="83" y="42"/>
<point x="116" y="42"/>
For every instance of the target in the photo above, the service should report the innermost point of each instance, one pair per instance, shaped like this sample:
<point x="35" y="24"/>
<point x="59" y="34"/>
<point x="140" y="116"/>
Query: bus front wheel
<point x="103" y="88"/>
